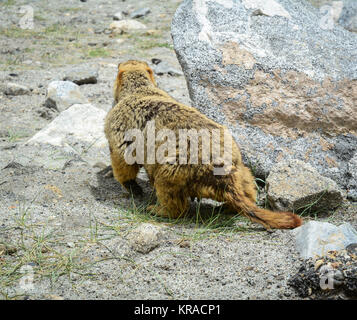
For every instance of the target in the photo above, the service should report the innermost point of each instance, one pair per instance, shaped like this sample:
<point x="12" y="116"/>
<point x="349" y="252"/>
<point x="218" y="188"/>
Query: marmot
<point x="137" y="101"/>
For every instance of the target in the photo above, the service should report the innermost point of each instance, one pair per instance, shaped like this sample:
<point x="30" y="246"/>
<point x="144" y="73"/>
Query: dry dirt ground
<point x="66" y="233"/>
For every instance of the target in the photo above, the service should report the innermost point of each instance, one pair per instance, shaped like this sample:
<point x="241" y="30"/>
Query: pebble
<point x="82" y="75"/>
<point x="126" y="26"/>
<point x="145" y="238"/>
<point x="164" y="68"/>
<point x="64" y="94"/>
<point x="7" y="250"/>
<point x="118" y="16"/>
<point x="14" y="89"/>
<point x="140" y="13"/>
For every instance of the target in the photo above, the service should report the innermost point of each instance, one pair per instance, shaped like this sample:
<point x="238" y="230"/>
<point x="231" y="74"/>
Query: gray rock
<point x="140" y="13"/>
<point x="316" y="238"/>
<point x="82" y="75"/>
<point x="348" y="18"/>
<point x="342" y="12"/>
<point x="14" y="89"/>
<point x="282" y="83"/>
<point x="295" y="186"/>
<point x="64" y="94"/>
<point x="118" y="16"/>
<point x="77" y="132"/>
<point x="145" y="238"/>
<point x="164" y="68"/>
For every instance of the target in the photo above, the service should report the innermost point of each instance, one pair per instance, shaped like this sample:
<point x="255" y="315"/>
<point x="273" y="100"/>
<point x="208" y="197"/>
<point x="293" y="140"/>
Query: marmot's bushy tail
<point x="269" y="219"/>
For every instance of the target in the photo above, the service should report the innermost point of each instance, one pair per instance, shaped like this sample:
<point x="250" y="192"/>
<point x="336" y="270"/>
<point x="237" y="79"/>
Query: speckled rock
<point x="283" y="83"/>
<point x="76" y="133"/>
<point x="316" y="238"/>
<point x="145" y="237"/>
<point x="348" y="18"/>
<point x="64" y="94"/>
<point x="343" y="12"/>
<point x="294" y="185"/>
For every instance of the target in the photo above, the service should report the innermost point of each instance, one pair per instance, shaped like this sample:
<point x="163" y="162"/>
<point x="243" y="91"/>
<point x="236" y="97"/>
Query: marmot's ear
<point x="120" y="78"/>
<point x="151" y="75"/>
<point x="119" y="65"/>
<point x="118" y="84"/>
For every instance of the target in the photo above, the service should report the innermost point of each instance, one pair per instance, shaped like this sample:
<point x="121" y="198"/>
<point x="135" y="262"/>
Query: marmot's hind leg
<point x="125" y="173"/>
<point x="173" y="203"/>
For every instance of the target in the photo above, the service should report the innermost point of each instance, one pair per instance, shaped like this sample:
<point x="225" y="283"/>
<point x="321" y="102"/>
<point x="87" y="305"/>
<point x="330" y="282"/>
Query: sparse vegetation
<point x="99" y="52"/>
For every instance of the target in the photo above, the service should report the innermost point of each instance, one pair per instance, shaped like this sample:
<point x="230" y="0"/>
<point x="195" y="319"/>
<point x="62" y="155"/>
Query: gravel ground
<point x="70" y="228"/>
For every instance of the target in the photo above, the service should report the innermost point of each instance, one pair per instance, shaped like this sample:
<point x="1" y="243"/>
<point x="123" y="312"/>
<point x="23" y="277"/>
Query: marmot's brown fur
<point x="139" y="100"/>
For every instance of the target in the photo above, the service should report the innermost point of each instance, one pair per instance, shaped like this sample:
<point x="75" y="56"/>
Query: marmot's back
<point x="140" y="105"/>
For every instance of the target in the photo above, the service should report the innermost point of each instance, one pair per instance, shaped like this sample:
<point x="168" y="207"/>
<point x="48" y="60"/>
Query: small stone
<point x="184" y="243"/>
<point x="64" y="94"/>
<point x="82" y="75"/>
<point x="14" y="89"/>
<point x="77" y="131"/>
<point x="152" y="32"/>
<point x="118" y="16"/>
<point x="70" y="245"/>
<point x="155" y="60"/>
<point x="7" y="250"/>
<point x="145" y="238"/>
<point x="319" y="263"/>
<point x="164" y="68"/>
<point x="295" y="185"/>
<point x="140" y="13"/>
<point x="316" y="238"/>
<point x="45" y="249"/>
<point x="120" y="41"/>
<point x="96" y="31"/>
<point x="79" y="123"/>
<point x="125" y="26"/>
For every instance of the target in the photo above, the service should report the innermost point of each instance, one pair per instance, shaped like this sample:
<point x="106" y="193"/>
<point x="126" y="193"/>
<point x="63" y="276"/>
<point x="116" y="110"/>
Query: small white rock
<point x="14" y="89"/>
<point x="65" y="94"/>
<point x="118" y="16"/>
<point x="70" y="245"/>
<point x="316" y="238"/>
<point x="126" y="26"/>
<point x="120" y="41"/>
<point x="145" y="238"/>
<point x="81" y="123"/>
